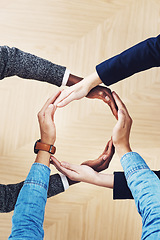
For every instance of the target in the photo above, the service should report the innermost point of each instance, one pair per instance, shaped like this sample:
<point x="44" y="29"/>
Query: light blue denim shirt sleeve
<point x="145" y="188"/>
<point x="28" y="217"/>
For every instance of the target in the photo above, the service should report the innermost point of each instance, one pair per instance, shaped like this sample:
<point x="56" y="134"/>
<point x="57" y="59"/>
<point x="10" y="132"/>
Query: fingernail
<point x="50" y="106"/>
<point x="120" y="111"/>
<point x="107" y="98"/>
<point x="63" y="164"/>
<point x="104" y="157"/>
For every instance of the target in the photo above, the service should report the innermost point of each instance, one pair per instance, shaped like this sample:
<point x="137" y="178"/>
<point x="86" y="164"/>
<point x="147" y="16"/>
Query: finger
<point x="64" y="94"/>
<point x="121" y="119"/>
<point x="104" y="165"/>
<point x="66" y="100"/>
<point x="49" y="113"/>
<point x="106" y="147"/>
<point x="55" y="162"/>
<point x="72" y="167"/>
<point x="58" y="166"/>
<point x="110" y="147"/>
<point x="112" y="104"/>
<point x="119" y="102"/>
<point x="70" y="173"/>
<point x="50" y="101"/>
<point x="114" y="108"/>
<point x="110" y="151"/>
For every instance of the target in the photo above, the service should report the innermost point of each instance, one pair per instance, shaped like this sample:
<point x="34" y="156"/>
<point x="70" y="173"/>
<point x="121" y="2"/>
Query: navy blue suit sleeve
<point x="121" y="189"/>
<point x="140" y="57"/>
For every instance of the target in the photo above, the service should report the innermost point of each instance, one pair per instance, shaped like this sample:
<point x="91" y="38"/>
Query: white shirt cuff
<point x="64" y="181"/>
<point x="65" y="77"/>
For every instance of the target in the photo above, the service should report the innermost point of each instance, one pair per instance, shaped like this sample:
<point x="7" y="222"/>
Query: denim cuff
<point x="132" y="162"/>
<point x="38" y="175"/>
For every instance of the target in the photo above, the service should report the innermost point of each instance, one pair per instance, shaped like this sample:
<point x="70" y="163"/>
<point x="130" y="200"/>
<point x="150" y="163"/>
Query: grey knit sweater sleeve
<point x="25" y="65"/>
<point x="9" y="193"/>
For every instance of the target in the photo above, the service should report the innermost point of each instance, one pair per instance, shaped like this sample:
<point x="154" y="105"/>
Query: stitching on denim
<point x="36" y="183"/>
<point x="130" y="172"/>
<point x="41" y="165"/>
<point x="129" y="154"/>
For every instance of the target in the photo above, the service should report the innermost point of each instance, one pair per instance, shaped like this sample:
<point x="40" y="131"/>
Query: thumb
<point x="121" y="118"/>
<point x="49" y="113"/>
<point x="72" y="167"/>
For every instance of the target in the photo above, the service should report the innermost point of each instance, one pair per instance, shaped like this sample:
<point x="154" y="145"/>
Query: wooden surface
<point x="79" y="35"/>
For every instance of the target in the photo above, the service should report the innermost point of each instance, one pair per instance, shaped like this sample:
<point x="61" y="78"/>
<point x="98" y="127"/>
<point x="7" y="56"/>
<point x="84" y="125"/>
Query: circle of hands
<point x="88" y="169"/>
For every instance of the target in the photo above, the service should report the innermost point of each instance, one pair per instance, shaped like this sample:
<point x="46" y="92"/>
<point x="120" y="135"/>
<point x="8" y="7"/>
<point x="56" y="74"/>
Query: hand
<point x="121" y="131"/>
<point x="78" y="91"/>
<point x="76" y="172"/>
<point x="46" y="121"/>
<point x="74" y="92"/>
<point x="99" y="92"/>
<point x="104" y="94"/>
<point x="102" y="162"/>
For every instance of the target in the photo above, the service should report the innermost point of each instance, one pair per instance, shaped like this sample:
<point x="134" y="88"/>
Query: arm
<point x="89" y="167"/>
<point x="84" y="173"/>
<point x="28" y="217"/>
<point x="143" y="183"/>
<point x="25" y="65"/>
<point x="140" y="57"/>
<point x="121" y="189"/>
<point x="9" y="193"/>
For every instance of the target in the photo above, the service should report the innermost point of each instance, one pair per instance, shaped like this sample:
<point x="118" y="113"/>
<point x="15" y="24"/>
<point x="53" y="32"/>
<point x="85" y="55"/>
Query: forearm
<point x="105" y="180"/>
<point x="145" y="188"/>
<point x="28" y="217"/>
<point x="99" y="179"/>
<point x="121" y="189"/>
<point x="91" y="81"/>
<point x="8" y="196"/>
<point x="25" y="65"/>
<point x="27" y="221"/>
<point x="140" y="57"/>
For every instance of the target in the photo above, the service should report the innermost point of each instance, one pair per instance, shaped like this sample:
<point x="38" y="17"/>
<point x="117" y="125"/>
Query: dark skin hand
<point x="98" y="92"/>
<point x="104" y="94"/>
<point x="102" y="162"/>
<point x="99" y="164"/>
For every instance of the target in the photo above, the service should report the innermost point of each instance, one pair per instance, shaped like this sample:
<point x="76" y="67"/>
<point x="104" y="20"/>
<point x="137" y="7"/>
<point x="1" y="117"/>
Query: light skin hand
<point x="99" y="164"/>
<point x="83" y="173"/>
<point x="98" y="92"/>
<point x="121" y="131"/>
<point x="46" y="121"/>
<point x="47" y="128"/>
<point x="78" y="91"/>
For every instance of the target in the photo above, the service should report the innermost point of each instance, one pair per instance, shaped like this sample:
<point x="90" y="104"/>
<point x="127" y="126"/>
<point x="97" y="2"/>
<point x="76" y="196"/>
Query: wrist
<point x="49" y="141"/>
<point x="43" y="157"/>
<point x="92" y="81"/>
<point x="71" y="182"/>
<point x="122" y="149"/>
<point x="73" y="80"/>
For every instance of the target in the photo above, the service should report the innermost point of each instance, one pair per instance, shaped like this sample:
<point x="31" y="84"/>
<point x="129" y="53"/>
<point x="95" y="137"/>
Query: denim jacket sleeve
<point x="145" y="188"/>
<point x="28" y="217"/>
<point x="140" y="57"/>
<point x="25" y="65"/>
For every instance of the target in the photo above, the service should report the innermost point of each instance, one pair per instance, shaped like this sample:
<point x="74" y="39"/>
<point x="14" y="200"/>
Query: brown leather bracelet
<point x="44" y="147"/>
